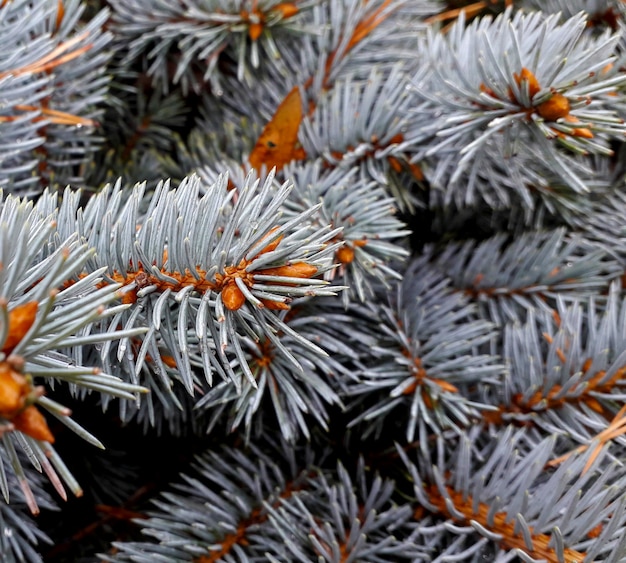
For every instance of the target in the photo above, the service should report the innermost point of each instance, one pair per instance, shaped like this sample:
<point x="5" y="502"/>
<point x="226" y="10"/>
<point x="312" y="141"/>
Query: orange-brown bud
<point x="13" y="390"/>
<point x="275" y="305"/>
<point x="129" y="297"/>
<point x="594" y="404"/>
<point x="493" y="417"/>
<point x="554" y="108"/>
<point x="272" y="245"/>
<point x="417" y="171"/>
<point x="232" y="297"/>
<point x="20" y="320"/>
<point x="445" y="385"/>
<point x="533" y="83"/>
<point x="396" y="165"/>
<point x="345" y="254"/>
<point x="296" y="270"/>
<point x="582" y="132"/>
<point x="489" y="91"/>
<point x="255" y="30"/>
<point x="286" y="9"/>
<point x="411" y="387"/>
<point x="169" y="361"/>
<point x="32" y="423"/>
<point x="595" y="531"/>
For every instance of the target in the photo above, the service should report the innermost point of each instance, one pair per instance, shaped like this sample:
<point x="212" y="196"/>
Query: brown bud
<point x="345" y="254"/>
<point x="232" y="297"/>
<point x="32" y="423"/>
<point x="533" y="83"/>
<point x="287" y="9"/>
<point x="296" y="270"/>
<point x="554" y="108"/>
<point x="255" y="30"/>
<point x="13" y="390"/>
<point x="275" y="305"/>
<point x="272" y="245"/>
<point x="20" y="320"/>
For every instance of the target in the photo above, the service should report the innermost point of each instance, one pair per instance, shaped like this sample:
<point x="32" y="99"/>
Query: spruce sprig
<point x="203" y="269"/>
<point x="519" y="79"/>
<point x="502" y="502"/>
<point x="41" y="322"/>
<point x="425" y="358"/>
<point x="52" y="75"/>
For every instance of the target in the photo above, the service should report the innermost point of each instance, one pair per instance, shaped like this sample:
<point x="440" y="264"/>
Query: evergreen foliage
<point x="332" y="280"/>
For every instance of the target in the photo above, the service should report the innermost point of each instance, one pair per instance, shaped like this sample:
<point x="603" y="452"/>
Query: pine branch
<point x="604" y="226"/>
<point x="278" y="143"/>
<point x="572" y="376"/>
<point x="373" y="240"/>
<point x="202" y="274"/>
<point x="508" y="499"/>
<point x="507" y="279"/>
<point x="457" y="178"/>
<point x="539" y="83"/>
<point x="425" y="357"/>
<point x="601" y="13"/>
<point x="346" y="521"/>
<point x="20" y="537"/>
<point x="37" y="322"/>
<point x="197" y="38"/>
<point x="295" y="513"/>
<point x="223" y="510"/>
<point x="51" y="86"/>
<point x="361" y="122"/>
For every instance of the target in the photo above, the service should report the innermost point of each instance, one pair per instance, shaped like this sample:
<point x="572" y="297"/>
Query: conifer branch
<point x="573" y="374"/>
<point x="507" y="279"/>
<point x="39" y="320"/>
<point x="602" y="14"/>
<point x="295" y="396"/>
<point x="51" y="87"/>
<point x="372" y="239"/>
<point x="423" y="360"/>
<point x="228" y="511"/>
<point x="458" y="179"/>
<point x="502" y="496"/>
<point x="226" y="268"/>
<point x="537" y="82"/>
<point x="346" y="521"/>
<point x="198" y="38"/>
<point x="21" y="539"/>
<point x="278" y="143"/>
